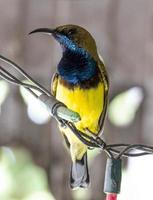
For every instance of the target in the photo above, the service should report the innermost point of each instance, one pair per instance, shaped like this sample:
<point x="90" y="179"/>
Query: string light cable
<point x="67" y="118"/>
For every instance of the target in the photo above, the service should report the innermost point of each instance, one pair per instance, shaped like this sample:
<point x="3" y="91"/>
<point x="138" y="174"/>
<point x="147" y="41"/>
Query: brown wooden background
<point x="124" y="33"/>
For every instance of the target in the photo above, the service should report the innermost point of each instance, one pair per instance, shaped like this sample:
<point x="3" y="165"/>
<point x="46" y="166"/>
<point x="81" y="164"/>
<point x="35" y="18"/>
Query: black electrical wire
<point x="11" y="79"/>
<point x="112" y="150"/>
<point x="135" y="147"/>
<point x="109" y="149"/>
<point x="116" y="152"/>
<point x="85" y="139"/>
<point x="21" y="71"/>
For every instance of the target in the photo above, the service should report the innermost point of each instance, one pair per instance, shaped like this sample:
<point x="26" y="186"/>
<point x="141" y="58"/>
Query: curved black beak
<point x="43" y="30"/>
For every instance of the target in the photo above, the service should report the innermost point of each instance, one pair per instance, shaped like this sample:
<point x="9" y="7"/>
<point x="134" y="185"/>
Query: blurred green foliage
<point x="20" y="178"/>
<point x="124" y="106"/>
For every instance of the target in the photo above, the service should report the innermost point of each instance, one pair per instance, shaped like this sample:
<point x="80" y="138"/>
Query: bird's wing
<point x="54" y="83"/>
<point x="105" y="79"/>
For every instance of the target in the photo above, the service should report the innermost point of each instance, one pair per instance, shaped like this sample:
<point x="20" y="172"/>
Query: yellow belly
<point x="87" y="102"/>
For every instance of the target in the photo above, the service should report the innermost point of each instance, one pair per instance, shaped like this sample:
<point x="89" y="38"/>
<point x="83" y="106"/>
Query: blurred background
<point x="34" y="164"/>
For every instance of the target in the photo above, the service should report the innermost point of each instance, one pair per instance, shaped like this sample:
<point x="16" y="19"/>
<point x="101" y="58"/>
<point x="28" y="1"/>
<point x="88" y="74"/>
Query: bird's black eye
<point x="71" y="31"/>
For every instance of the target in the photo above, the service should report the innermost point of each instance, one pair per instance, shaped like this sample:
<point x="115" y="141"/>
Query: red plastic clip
<point x="111" y="196"/>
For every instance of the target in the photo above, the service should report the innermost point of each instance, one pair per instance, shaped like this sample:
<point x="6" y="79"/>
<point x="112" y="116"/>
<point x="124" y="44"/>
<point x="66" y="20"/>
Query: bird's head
<point x="72" y="37"/>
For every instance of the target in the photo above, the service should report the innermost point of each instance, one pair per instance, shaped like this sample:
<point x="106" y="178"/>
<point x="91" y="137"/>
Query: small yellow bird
<point x="81" y="83"/>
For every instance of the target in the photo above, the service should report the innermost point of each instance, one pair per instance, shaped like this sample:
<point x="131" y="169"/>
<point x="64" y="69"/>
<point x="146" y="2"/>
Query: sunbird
<point x="81" y="83"/>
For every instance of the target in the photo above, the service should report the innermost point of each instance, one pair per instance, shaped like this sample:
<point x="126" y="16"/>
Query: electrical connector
<point x="113" y="176"/>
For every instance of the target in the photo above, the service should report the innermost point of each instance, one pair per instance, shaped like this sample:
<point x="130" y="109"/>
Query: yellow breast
<point x="87" y="102"/>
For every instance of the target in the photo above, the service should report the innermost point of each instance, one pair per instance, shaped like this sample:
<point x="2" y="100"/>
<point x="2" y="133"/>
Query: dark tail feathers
<point x="79" y="176"/>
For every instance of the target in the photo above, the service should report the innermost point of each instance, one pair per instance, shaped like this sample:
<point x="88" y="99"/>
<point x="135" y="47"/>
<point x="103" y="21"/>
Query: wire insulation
<point x="21" y="71"/>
